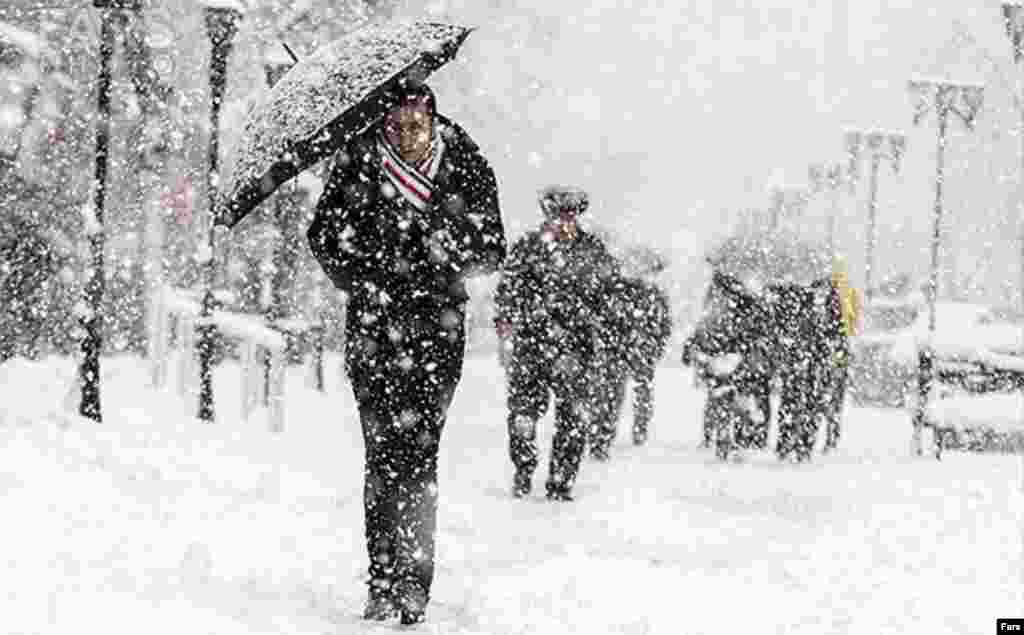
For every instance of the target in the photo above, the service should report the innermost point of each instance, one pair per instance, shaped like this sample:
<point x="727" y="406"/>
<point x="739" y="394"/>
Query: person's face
<point x="410" y="129"/>
<point x="564" y="225"/>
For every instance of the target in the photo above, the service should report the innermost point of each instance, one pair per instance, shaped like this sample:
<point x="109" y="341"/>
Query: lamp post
<point x="788" y="201"/>
<point x="963" y="100"/>
<point x="221" y="18"/>
<point x="1013" y="19"/>
<point x="879" y="144"/>
<point x="92" y="317"/>
<point x="830" y="177"/>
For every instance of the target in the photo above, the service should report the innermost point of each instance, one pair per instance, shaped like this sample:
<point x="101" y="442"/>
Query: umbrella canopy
<point x="776" y="257"/>
<point x="338" y="92"/>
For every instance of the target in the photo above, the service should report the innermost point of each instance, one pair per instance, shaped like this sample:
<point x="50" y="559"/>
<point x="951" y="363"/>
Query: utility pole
<point x="92" y="317"/>
<point x="963" y="100"/>
<point x="221" y="26"/>
<point x="879" y="144"/>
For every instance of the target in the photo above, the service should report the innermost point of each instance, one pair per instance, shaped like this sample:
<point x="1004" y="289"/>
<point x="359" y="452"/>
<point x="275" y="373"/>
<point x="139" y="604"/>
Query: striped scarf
<point x="414" y="182"/>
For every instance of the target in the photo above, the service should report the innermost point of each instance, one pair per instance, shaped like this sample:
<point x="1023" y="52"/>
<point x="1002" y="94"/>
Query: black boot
<point x="521" y="484"/>
<point x="412" y="603"/>
<point x="380" y="605"/>
<point x="558" y="492"/>
<point x="639" y="435"/>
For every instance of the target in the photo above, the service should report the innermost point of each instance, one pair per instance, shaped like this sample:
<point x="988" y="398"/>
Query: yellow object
<point x="849" y="298"/>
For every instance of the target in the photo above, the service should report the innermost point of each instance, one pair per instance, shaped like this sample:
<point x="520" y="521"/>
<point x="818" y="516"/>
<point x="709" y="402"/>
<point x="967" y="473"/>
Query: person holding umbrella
<point x="409" y="211"/>
<point x="551" y="308"/>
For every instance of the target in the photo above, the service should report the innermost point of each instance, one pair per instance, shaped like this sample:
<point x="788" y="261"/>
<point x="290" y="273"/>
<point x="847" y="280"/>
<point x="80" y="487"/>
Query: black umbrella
<point x="777" y="257"/>
<point x="337" y="92"/>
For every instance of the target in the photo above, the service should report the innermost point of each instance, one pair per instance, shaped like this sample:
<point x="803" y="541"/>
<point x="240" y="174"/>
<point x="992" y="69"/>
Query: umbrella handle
<point x="291" y="53"/>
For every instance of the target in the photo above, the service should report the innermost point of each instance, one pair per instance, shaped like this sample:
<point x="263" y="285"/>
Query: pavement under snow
<point x="154" y="522"/>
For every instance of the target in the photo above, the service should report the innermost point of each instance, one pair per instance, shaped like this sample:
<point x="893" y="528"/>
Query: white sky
<point x="676" y="114"/>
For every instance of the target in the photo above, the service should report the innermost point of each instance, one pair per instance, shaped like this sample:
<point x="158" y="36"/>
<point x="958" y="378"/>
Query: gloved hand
<point x="503" y="328"/>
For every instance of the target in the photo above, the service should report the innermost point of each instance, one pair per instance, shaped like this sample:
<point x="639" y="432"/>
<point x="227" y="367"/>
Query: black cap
<point x="410" y="92"/>
<point x="555" y="200"/>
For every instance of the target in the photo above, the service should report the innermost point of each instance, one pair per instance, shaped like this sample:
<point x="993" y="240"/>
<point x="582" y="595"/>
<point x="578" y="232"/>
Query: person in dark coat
<point x="551" y="310"/>
<point x="846" y="308"/>
<point x="642" y="325"/>
<point x="28" y="267"/>
<point x="607" y="394"/>
<point x="808" y="323"/>
<point x="409" y="211"/>
<point x="730" y="349"/>
<point x="647" y="344"/>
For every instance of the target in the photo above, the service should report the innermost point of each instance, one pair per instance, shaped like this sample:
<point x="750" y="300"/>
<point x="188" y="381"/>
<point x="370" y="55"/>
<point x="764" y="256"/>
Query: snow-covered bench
<point x="312" y="334"/>
<point x="260" y="381"/>
<point x="977" y="401"/>
<point x="989" y="423"/>
<point x="262" y="353"/>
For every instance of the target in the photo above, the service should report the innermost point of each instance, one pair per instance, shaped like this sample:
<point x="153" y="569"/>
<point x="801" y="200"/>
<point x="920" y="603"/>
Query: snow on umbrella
<point x="339" y="91"/>
<point x="773" y="257"/>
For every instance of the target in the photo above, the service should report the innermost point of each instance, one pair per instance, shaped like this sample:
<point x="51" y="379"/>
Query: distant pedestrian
<point x="552" y="311"/>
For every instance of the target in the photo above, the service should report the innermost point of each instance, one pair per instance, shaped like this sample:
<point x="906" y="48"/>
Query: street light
<point x="880" y="144"/>
<point x="1013" y="19"/>
<point x="788" y="201"/>
<point x="831" y="177"/>
<point x="963" y="100"/>
<point x="221" y="18"/>
<point x="92" y="317"/>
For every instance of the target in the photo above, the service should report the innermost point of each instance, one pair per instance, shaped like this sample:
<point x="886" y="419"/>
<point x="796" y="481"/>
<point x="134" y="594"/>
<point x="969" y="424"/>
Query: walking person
<point x="639" y="335"/>
<point x="847" y="307"/>
<point x="648" y="342"/>
<point x="409" y="211"/>
<point x="727" y="351"/>
<point x="551" y="309"/>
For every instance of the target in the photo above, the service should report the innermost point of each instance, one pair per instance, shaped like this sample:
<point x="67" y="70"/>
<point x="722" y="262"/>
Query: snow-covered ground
<point x="153" y="522"/>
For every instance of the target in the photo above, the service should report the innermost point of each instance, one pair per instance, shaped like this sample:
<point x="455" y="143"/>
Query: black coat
<point x="643" y="323"/>
<point x="403" y="271"/>
<point x="555" y="295"/>
<point x="735" y="322"/>
<point x="368" y="243"/>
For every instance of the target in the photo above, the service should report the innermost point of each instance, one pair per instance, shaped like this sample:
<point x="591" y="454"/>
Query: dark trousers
<point x="757" y="435"/>
<point x="643" y="401"/>
<point x="804" y="401"/>
<point x="751" y="429"/>
<point x="532" y="378"/>
<point x="607" y="397"/>
<point x="403" y="374"/>
<point x="840" y="372"/>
